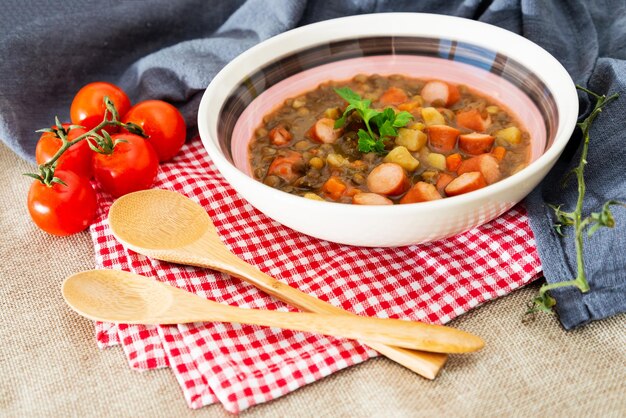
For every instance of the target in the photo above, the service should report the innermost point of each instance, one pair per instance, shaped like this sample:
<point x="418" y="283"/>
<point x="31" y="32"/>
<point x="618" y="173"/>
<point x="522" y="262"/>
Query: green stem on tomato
<point x="46" y="170"/>
<point x="67" y="144"/>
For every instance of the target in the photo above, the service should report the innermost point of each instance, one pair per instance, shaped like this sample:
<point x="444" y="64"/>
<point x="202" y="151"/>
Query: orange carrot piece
<point x="393" y="96"/>
<point x="442" y="138"/>
<point x="465" y="183"/>
<point x="499" y="153"/>
<point x="334" y="188"/>
<point x="453" y="161"/>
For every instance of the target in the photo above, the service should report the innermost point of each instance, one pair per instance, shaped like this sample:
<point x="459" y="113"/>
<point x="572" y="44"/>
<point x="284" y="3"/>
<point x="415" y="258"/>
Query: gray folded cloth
<point x="171" y="50"/>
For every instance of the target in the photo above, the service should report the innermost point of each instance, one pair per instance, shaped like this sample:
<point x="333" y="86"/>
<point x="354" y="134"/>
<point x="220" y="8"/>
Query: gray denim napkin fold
<point x="171" y="50"/>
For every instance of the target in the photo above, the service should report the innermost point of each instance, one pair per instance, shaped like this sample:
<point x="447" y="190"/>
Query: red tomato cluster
<point x="64" y="209"/>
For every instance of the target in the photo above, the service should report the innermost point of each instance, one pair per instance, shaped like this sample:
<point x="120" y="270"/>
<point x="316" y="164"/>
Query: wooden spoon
<point x="169" y="226"/>
<point x="123" y="297"/>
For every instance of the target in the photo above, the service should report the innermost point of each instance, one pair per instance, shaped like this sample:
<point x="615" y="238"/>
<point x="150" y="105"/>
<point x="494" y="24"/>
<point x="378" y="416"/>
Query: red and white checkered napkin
<point x="241" y="365"/>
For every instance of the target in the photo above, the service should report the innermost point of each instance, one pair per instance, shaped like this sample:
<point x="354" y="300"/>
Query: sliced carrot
<point x="443" y="180"/>
<point x="486" y="164"/>
<point x="388" y="179"/>
<point x="465" y="183"/>
<point x="280" y="135"/>
<point x="499" y="153"/>
<point x="472" y="119"/>
<point x="421" y="192"/>
<point x="334" y="188"/>
<point x="324" y="131"/>
<point x="442" y="138"/>
<point x="370" y="199"/>
<point x="453" y="161"/>
<point x="393" y="96"/>
<point x="475" y="143"/>
<point x="439" y="91"/>
<point x="283" y="166"/>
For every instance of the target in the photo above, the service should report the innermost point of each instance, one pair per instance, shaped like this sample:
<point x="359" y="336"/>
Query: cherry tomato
<point x="76" y="158"/>
<point x="62" y="209"/>
<point x="163" y="124"/>
<point x="132" y="166"/>
<point x="88" y="105"/>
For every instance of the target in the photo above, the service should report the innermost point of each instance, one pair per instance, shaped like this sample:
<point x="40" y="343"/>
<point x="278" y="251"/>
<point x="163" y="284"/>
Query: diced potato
<point x="512" y="135"/>
<point x="336" y="160"/>
<point x="432" y="116"/>
<point x="430" y="176"/>
<point x="298" y="103"/>
<point x="437" y="161"/>
<point x="332" y="113"/>
<point x="401" y="156"/>
<point x="411" y="139"/>
<point x="492" y="110"/>
<point x="313" y="196"/>
<point x="418" y="126"/>
<point x="419" y="99"/>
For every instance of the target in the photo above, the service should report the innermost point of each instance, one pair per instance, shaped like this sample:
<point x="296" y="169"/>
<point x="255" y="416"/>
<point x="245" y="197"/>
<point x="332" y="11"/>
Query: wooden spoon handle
<point x="425" y="364"/>
<point x="407" y="334"/>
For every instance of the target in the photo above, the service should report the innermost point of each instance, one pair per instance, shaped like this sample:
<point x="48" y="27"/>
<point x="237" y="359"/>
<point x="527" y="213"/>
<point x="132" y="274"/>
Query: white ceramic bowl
<point x="513" y="70"/>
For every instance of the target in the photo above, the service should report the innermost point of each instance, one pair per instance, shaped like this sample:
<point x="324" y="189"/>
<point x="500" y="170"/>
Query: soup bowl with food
<point x="388" y="129"/>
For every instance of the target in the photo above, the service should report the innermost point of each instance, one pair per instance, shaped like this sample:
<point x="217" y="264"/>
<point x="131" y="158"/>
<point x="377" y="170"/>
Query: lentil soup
<point x="450" y="141"/>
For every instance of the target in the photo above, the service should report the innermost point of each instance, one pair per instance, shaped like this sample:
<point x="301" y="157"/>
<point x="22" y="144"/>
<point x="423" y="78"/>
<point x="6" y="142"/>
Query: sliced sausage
<point x="370" y="199"/>
<point x="442" y="138"/>
<point x="421" y="192"/>
<point x="280" y="135"/>
<point x="388" y="179"/>
<point x="393" y="96"/>
<point x="324" y="131"/>
<point x="286" y="166"/>
<point x="465" y="183"/>
<point x="486" y="164"/>
<point x="445" y="93"/>
<point x="475" y="143"/>
<point x="443" y="180"/>
<point x="472" y="119"/>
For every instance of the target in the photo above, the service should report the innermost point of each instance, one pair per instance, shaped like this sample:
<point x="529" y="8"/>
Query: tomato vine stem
<point x="104" y="144"/>
<point x="544" y="302"/>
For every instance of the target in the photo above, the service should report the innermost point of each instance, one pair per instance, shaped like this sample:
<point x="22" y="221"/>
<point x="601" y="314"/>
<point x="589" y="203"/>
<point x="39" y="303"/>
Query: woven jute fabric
<point x="50" y="365"/>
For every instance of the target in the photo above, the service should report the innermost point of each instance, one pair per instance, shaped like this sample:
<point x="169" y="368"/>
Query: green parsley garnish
<point x="386" y="121"/>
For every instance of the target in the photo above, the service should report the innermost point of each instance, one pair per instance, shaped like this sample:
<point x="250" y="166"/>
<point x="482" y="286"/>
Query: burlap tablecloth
<point x="50" y="366"/>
